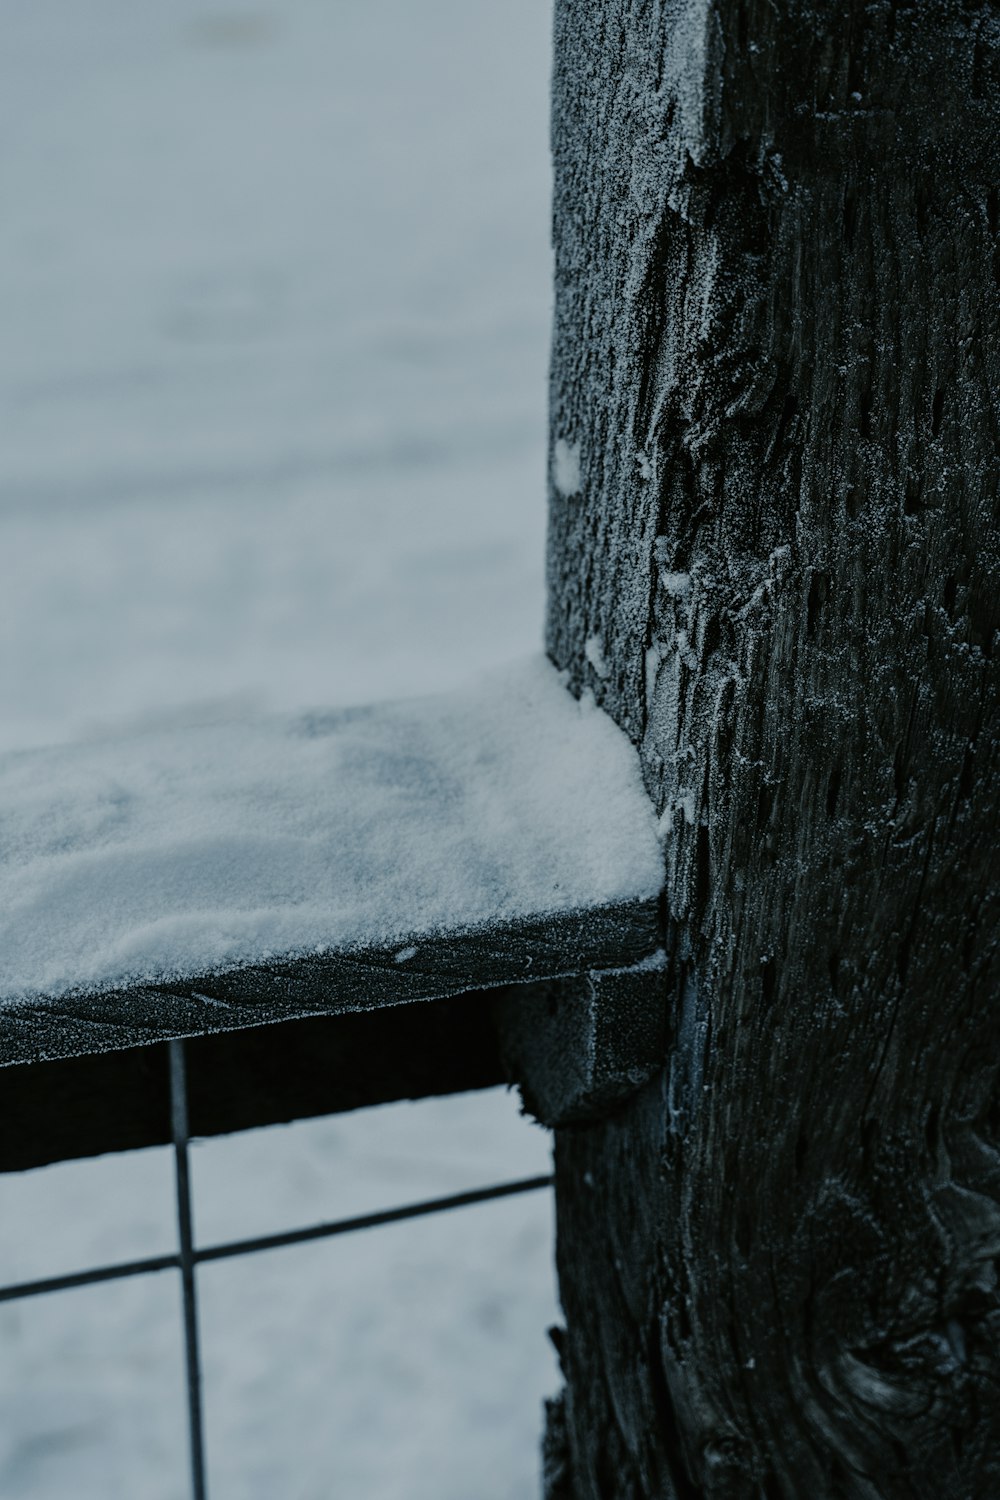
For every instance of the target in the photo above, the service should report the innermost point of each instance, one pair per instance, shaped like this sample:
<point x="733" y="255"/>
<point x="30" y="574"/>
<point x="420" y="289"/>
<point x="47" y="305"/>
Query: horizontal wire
<point x="87" y="1278"/>
<point x="273" y="1241"/>
<point x="369" y="1221"/>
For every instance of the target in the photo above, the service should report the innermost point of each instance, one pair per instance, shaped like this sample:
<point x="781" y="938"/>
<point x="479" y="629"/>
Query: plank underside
<point x="264" y="1075"/>
<point x="356" y="979"/>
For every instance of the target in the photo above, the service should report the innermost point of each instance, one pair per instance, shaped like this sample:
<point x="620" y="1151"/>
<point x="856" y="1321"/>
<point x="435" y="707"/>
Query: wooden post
<point x="774" y="559"/>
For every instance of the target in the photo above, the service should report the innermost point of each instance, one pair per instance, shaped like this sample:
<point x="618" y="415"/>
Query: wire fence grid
<point x="189" y="1256"/>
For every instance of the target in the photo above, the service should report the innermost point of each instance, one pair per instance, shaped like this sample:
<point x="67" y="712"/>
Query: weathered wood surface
<point x="265" y="1075"/>
<point x="774" y="558"/>
<point x="427" y="966"/>
<point x="578" y="1047"/>
<point x="574" y="1045"/>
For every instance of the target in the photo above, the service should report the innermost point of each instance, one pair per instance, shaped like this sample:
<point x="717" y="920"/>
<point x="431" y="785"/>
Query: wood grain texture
<point x="776" y="363"/>
<point x="578" y="1047"/>
<point x="427" y="966"/>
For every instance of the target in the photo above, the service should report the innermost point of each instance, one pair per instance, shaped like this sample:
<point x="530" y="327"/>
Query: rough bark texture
<point x="774" y="559"/>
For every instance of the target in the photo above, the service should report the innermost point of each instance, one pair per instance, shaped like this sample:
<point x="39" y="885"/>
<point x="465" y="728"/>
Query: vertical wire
<point x="179" y="1123"/>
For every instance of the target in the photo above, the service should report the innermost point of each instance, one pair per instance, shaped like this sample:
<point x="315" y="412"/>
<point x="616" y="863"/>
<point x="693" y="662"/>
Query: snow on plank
<point x="180" y="881"/>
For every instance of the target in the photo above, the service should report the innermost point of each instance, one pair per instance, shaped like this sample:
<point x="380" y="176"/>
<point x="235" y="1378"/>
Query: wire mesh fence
<point x="189" y="1255"/>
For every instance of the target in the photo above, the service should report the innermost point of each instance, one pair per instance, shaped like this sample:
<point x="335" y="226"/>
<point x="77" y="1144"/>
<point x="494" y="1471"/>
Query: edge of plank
<point x="421" y="967"/>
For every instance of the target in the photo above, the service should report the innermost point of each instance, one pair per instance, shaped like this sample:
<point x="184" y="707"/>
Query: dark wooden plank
<point x="579" y="1048"/>
<point x="119" y="1100"/>
<point x="423" y="968"/>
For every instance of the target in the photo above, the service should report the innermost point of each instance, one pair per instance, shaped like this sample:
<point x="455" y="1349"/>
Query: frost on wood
<point x="170" y="854"/>
<point x="776" y="242"/>
<point x="566" y="468"/>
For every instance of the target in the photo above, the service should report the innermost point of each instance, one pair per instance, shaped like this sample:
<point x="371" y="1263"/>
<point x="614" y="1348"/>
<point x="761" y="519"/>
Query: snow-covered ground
<point x="274" y="293"/>
<point x="274" y="297"/>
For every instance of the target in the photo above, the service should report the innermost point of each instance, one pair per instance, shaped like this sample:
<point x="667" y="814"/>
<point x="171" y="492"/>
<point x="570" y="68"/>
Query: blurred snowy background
<point x="274" y="301"/>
